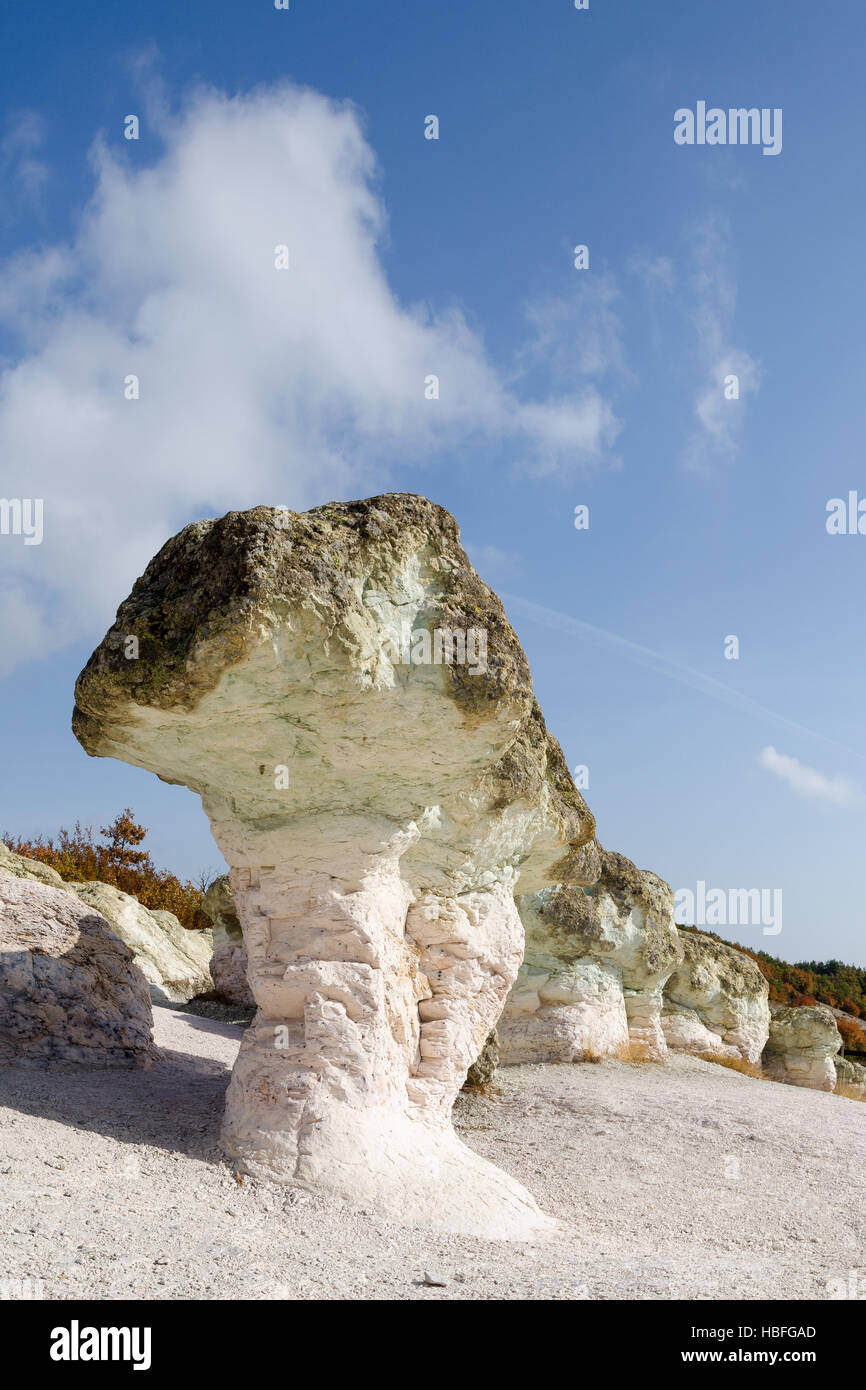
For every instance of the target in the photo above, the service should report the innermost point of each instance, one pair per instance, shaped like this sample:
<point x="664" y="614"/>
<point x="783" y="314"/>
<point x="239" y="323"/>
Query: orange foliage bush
<point x="78" y="857"/>
<point x="853" y="1037"/>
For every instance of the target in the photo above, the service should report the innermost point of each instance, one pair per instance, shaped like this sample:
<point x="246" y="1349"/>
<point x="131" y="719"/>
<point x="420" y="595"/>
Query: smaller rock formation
<point x="598" y="953"/>
<point x="850" y="1078"/>
<point x="20" y="867"/>
<point x="716" y="1003"/>
<point x="70" y="988"/>
<point x="802" y="1044"/>
<point x="173" y="960"/>
<point x="483" y="1070"/>
<point x="228" y="966"/>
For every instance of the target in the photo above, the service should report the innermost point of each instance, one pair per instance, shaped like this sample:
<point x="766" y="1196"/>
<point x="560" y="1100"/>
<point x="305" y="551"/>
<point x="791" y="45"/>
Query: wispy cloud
<point x="22" y="138"/>
<point x="808" y="781"/>
<point x="492" y="561"/>
<point x="579" y="334"/>
<point x="714" y="298"/>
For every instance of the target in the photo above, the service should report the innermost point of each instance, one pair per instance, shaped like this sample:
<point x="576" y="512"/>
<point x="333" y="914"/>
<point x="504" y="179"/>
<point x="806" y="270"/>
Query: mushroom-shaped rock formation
<point x="716" y="1003"/>
<point x="599" y="949"/>
<point x="348" y="699"/>
<point x="801" y="1047"/>
<point x="850" y="1078"/>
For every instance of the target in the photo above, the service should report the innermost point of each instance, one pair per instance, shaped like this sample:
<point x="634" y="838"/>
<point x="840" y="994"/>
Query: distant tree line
<point x="812" y="982"/>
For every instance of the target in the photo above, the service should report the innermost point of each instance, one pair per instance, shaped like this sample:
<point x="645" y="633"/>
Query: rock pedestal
<point x="802" y="1045"/>
<point x="716" y="1003"/>
<point x="599" y="950"/>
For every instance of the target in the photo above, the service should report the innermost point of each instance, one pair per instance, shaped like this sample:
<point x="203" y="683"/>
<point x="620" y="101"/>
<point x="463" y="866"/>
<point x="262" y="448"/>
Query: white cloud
<point x="256" y="385"/>
<point x="807" y="781"/>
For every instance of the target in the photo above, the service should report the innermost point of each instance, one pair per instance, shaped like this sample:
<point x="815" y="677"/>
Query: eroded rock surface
<point x="716" y="1002"/>
<point x="598" y="953"/>
<point x="802" y="1045"/>
<point x="19" y="866"/>
<point x="377" y="803"/>
<point x="174" y="961"/>
<point x="71" y="992"/>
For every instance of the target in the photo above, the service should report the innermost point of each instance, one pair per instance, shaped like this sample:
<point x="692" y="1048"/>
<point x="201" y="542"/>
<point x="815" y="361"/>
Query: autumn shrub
<point x="853" y="1036"/>
<point x="79" y="857"/>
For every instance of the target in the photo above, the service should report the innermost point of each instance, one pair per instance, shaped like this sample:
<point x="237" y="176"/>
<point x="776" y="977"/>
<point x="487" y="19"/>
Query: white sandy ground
<point x="112" y="1186"/>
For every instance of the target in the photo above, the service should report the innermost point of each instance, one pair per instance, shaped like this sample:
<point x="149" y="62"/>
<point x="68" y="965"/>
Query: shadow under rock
<point x="176" y="1104"/>
<point x="223" y="1028"/>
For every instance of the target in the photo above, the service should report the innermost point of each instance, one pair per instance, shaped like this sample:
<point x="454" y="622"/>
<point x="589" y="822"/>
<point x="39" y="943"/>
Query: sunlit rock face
<point x="716" y="1003"/>
<point x="377" y="803"/>
<point x="802" y="1045"/>
<point x="599" y="950"/>
<point x="173" y="960"/>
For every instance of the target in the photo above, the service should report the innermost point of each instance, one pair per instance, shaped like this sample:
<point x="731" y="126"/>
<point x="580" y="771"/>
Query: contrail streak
<point x="663" y="666"/>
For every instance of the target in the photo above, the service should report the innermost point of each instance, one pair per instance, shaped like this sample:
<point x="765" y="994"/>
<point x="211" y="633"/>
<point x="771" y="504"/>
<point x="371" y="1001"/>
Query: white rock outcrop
<point x="716" y="1003"/>
<point x="598" y="953"/>
<point x="850" y="1078"/>
<point x="802" y="1045"/>
<point x="173" y="960"/>
<point x="228" y="965"/>
<point x="21" y="867"/>
<point x="351" y="704"/>
<point x="71" y="992"/>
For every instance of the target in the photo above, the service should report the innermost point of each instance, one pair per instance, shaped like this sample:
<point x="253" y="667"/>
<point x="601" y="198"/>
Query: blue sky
<point x="559" y="387"/>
